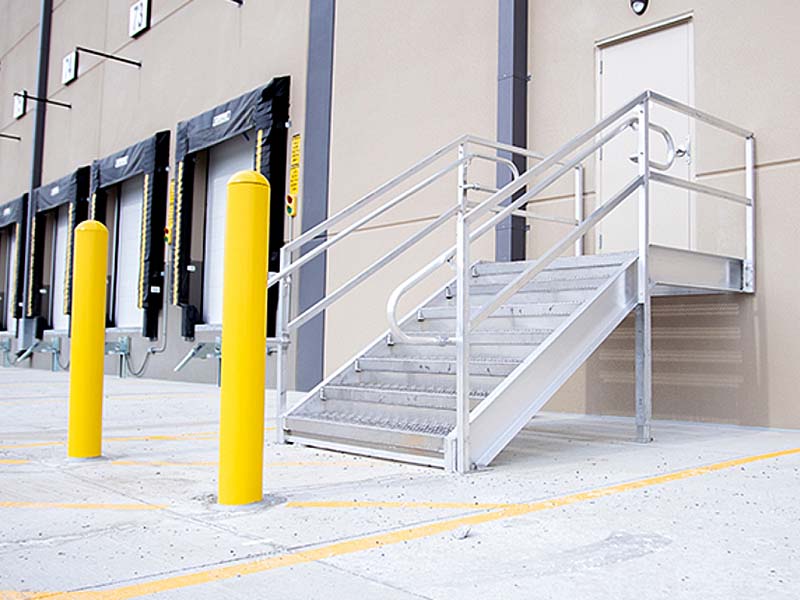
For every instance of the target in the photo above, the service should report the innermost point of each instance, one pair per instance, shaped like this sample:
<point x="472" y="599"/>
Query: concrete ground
<point x="571" y="509"/>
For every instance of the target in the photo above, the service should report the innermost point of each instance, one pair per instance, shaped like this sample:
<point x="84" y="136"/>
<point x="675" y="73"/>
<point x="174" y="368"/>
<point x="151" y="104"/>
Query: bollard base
<point x="268" y="501"/>
<point x="84" y="459"/>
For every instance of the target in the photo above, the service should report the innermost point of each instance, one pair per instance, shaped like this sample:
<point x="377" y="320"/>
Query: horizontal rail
<point x="698" y="114"/>
<point x="700" y="188"/>
<point x="555" y="251"/>
<point x="329" y="299"/>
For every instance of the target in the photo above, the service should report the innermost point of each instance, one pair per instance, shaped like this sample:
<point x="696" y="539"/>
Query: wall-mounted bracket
<point x="122" y="348"/>
<point x="51" y="346"/>
<point x="5" y="350"/>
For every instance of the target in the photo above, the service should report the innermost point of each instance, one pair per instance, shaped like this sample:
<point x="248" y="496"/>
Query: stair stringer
<point x="510" y="406"/>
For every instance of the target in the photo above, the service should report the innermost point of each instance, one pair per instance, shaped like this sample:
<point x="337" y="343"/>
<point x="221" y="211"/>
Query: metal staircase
<point x="453" y="382"/>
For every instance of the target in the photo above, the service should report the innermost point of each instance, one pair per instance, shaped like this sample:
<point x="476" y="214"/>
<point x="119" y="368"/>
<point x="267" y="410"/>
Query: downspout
<point x="512" y="114"/>
<point x="27" y="333"/>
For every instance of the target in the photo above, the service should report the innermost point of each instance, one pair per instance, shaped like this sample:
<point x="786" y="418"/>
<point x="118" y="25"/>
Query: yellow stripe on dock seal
<point x="371" y="542"/>
<point x="13" y="461"/>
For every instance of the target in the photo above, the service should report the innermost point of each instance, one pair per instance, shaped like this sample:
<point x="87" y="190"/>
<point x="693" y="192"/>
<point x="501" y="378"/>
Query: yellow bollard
<point x="84" y="437"/>
<point x="241" y="429"/>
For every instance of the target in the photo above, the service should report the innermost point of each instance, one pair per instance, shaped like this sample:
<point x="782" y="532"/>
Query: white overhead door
<point x="223" y="161"/>
<point x="60" y="320"/>
<point x="11" y="271"/>
<point x="660" y="61"/>
<point x="128" y="253"/>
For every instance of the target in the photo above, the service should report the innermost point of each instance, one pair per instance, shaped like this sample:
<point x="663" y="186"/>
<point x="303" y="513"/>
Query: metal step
<point x="400" y="396"/>
<point x="401" y="444"/>
<point x="433" y="365"/>
<point x="567" y="274"/>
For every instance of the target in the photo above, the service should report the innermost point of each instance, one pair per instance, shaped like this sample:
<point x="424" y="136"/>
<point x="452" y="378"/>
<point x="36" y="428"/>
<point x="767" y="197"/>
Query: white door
<point x="662" y="62"/>
<point x="12" y="270"/>
<point x="224" y="160"/>
<point x="60" y="320"/>
<point x="128" y="253"/>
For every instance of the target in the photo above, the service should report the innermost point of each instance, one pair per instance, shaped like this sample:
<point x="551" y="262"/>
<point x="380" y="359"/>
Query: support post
<point x="462" y="458"/>
<point x="87" y="351"/>
<point x="282" y="363"/>
<point x="578" y="185"/>
<point x="644" y="350"/>
<point x="749" y="274"/>
<point x="241" y="430"/>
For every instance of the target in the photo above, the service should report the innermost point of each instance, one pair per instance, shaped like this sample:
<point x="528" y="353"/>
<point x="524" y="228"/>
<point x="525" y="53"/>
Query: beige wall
<point x="717" y="358"/>
<point x="408" y="78"/>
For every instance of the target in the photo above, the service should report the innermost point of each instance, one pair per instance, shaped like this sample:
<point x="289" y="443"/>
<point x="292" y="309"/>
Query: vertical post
<point x="87" y="351"/>
<point x="282" y="335"/>
<point x="462" y="458"/>
<point x="578" y="185"/>
<point x="749" y="274"/>
<point x="241" y="429"/>
<point x="644" y="350"/>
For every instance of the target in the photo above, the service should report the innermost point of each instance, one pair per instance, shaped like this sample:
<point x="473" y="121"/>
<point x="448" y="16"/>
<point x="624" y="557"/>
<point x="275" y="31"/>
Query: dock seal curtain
<point x="72" y="190"/>
<point x="150" y="158"/>
<point x="264" y="111"/>
<point x="12" y="216"/>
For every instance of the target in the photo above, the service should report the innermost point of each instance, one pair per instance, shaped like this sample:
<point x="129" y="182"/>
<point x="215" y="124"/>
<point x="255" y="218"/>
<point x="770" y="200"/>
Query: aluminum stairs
<point x="397" y="400"/>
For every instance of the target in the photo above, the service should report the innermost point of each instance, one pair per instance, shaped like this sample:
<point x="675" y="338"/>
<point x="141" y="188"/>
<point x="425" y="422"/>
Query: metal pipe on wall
<point x="27" y="332"/>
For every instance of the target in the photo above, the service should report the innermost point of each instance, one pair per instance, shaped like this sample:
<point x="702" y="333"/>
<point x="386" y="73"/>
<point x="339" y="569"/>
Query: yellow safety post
<point x="84" y="437"/>
<point x="241" y="430"/>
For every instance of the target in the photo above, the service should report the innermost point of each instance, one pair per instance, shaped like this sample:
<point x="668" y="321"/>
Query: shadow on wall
<point x="707" y="363"/>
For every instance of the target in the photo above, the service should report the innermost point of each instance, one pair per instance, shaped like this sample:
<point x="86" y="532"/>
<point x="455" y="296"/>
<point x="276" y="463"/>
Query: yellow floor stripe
<point x="371" y="542"/>
<point x="213" y="463"/>
<point x="81" y="506"/>
<point x="13" y="461"/>
<point x="200" y="435"/>
<point x="379" y="504"/>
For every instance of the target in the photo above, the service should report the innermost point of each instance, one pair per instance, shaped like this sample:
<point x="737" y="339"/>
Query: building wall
<point x="409" y="77"/>
<point x="718" y="358"/>
<point x="196" y="55"/>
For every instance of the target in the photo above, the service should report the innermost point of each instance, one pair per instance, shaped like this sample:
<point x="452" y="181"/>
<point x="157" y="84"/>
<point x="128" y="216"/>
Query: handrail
<point x="700" y="115"/>
<point x="377" y="192"/>
<point x="555" y="251"/>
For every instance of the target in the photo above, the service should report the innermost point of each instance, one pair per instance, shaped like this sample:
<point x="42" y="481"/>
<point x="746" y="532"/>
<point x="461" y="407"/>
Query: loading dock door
<point x="129" y="253"/>
<point x="59" y="320"/>
<point x="6" y="267"/>
<point x="660" y="61"/>
<point x="224" y="160"/>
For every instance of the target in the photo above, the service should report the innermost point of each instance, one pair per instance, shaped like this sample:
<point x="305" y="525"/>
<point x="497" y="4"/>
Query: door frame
<point x="686" y="18"/>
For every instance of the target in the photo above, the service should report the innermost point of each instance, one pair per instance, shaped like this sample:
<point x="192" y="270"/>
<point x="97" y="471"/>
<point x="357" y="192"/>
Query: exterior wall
<point x="196" y="55"/>
<point x="409" y="77"/>
<point x="718" y="358"/>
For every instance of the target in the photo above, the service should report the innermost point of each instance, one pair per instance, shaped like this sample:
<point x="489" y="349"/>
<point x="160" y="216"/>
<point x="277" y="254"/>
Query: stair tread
<point x="403" y="389"/>
<point x="375" y="421"/>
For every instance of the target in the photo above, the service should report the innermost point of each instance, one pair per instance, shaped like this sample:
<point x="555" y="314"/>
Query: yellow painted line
<point x="379" y="504"/>
<point x="81" y="506"/>
<point x="213" y="463"/>
<point x="13" y="461"/>
<point x="371" y="542"/>
<point x="30" y="445"/>
<point x="163" y="463"/>
<point x="203" y="435"/>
